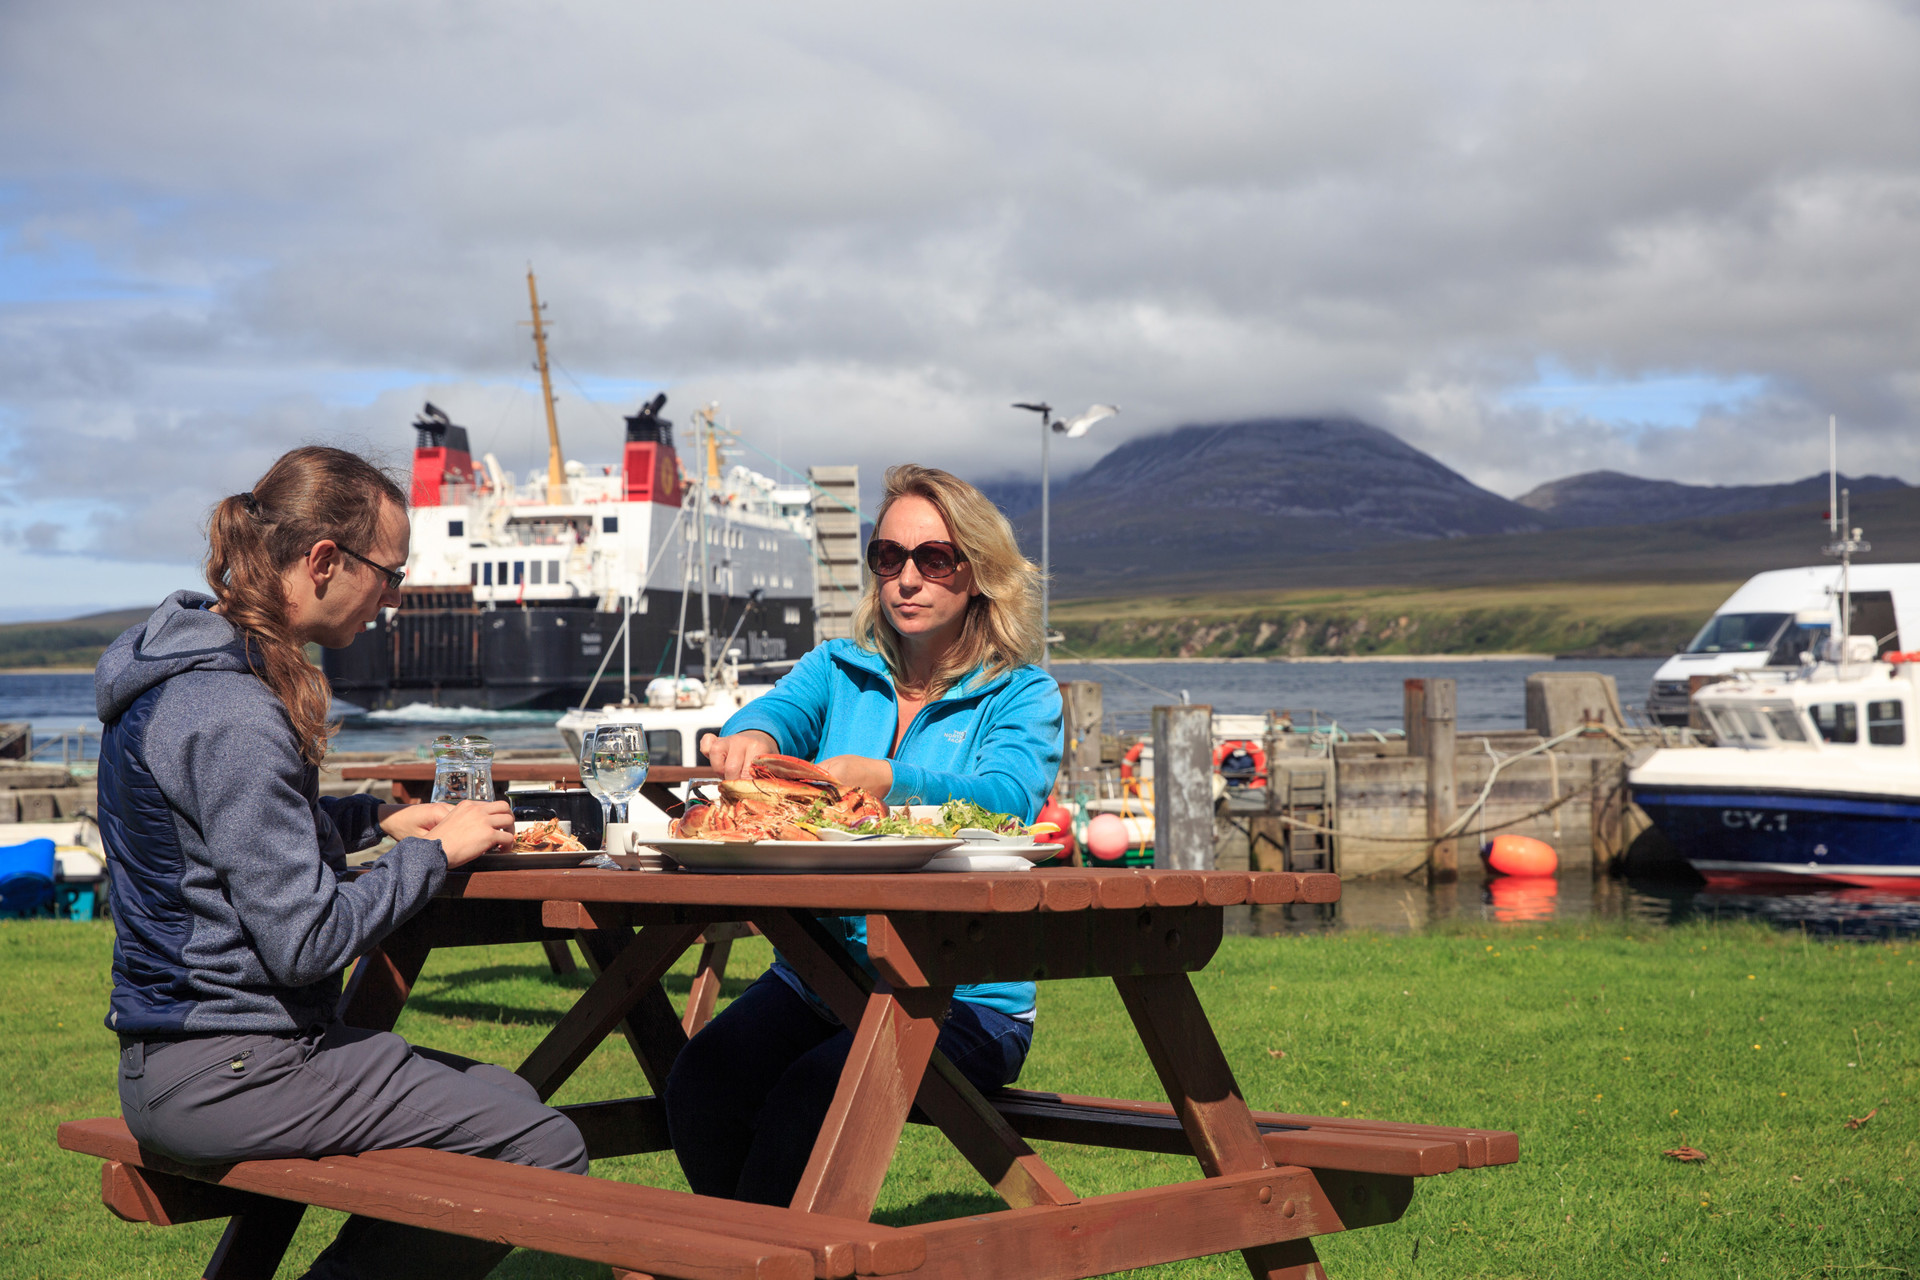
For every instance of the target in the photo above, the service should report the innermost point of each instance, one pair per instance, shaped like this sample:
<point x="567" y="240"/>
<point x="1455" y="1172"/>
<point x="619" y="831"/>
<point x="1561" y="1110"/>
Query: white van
<point x="1779" y="615"/>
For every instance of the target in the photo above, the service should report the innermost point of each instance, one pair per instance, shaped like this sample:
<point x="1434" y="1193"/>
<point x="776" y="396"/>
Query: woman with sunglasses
<point x="233" y="911"/>
<point x="937" y="697"/>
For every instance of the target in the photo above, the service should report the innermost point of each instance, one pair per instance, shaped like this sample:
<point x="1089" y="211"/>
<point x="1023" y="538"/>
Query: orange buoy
<point x="1522" y="856"/>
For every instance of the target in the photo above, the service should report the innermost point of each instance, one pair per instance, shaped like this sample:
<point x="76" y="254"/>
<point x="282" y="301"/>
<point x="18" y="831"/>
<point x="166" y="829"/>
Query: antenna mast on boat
<point x="1846" y="538"/>
<point x="556" y="470"/>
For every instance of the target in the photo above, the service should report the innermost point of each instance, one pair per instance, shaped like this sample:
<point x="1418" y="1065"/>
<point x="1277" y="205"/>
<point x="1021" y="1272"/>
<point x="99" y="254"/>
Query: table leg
<point x="706" y="984"/>
<point x="625" y="993"/>
<point x="891" y="1044"/>
<point x="1187" y="1057"/>
<point x="384" y="977"/>
<point x="255" y="1242"/>
<point x="559" y="957"/>
<point x="978" y="1131"/>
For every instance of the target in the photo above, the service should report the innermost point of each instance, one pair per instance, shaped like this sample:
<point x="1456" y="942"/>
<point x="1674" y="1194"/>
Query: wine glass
<point x="590" y="778"/>
<point x="620" y="761"/>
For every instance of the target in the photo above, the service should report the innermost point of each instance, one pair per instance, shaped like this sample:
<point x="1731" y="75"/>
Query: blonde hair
<point x="1002" y="626"/>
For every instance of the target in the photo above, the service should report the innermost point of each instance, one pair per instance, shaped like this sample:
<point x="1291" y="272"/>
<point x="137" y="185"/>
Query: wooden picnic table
<point x="1270" y="1182"/>
<point x="413" y="779"/>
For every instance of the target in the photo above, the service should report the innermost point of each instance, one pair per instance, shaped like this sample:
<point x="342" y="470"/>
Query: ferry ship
<point x="516" y="591"/>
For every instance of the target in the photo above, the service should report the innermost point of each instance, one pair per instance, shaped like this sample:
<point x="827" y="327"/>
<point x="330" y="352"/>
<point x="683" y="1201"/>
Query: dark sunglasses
<point x="394" y="576"/>
<point x="935" y="560"/>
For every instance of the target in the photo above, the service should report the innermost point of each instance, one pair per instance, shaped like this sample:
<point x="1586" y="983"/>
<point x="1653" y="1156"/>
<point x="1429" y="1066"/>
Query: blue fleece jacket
<point x="230" y="909"/>
<point x="995" y="742"/>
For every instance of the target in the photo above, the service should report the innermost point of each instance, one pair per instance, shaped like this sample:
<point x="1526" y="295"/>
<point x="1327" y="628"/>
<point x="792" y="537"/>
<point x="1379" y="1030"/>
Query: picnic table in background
<point x="1270" y="1182"/>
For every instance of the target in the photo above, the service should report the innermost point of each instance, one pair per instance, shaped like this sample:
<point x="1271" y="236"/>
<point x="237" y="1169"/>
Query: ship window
<point x="486" y="574"/>
<point x="533" y="572"/>
<point x="792" y="615"/>
<point x="1786" y="724"/>
<point x="1886" y="723"/>
<point x="519" y="572"/>
<point x="473" y="575"/>
<point x="609" y="524"/>
<point x="501" y="575"/>
<point x="1837" y="722"/>
<point x="663" y="747"/>
<point x="1750" y="723"/>
<point x="456" y="528"/>
<point x="553" y="571"/>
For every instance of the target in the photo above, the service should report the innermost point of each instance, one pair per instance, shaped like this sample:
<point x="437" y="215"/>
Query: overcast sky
<point x="1533" y="238"/>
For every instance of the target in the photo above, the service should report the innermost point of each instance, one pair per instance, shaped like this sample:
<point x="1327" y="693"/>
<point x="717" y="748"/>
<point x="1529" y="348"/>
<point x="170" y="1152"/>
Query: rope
<point x="1151" y="688"/>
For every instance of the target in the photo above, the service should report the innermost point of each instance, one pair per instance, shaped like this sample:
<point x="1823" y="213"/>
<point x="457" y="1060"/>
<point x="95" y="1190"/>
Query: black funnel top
<point x="433" y="429"/>
<point x="647" y="426"/>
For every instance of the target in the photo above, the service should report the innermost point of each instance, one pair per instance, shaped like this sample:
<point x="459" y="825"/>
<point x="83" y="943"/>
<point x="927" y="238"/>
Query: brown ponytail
<point x="310" y="494"/>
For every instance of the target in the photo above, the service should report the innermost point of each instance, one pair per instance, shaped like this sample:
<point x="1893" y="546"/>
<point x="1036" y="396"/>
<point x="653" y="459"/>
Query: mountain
<point x="1224" y="494"/>
<point x="1597" y="498"/>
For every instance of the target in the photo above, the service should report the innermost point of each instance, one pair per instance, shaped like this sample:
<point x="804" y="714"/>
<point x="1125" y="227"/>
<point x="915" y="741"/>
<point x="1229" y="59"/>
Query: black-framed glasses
<point x="936" y="560"/>
<point x="394" y="576"/>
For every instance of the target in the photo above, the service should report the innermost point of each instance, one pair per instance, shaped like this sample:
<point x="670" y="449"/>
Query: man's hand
<point x="403" y="820"/>
<point x="875" y="777"/>
<point x="732" y="754"/>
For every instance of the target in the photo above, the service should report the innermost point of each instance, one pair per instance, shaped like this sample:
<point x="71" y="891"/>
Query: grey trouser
<point x="338" y="1091"/>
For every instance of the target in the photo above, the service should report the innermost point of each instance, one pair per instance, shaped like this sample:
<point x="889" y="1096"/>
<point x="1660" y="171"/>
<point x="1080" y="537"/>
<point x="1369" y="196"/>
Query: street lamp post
<point x="1073" y="430"/>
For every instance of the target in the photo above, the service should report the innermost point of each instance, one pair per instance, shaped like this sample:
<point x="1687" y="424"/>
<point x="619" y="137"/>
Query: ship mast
<point x="556" y="470"/>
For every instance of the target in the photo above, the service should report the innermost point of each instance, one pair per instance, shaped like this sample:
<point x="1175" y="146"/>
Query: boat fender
<point x="1896" y="658"/>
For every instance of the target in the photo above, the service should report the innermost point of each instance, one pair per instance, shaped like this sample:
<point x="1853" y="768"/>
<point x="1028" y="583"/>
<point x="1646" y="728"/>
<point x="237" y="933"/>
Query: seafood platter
<point x="788" y="816"/>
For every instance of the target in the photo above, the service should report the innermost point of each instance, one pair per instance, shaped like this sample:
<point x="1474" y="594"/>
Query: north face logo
<point x="957" y="736"/>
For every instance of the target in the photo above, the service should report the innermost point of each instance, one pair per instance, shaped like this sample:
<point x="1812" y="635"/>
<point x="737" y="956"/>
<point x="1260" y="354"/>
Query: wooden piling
<point x="1081" y="709"/>
<point x="1183" y="788"/>
<point x="1437" y="721"/>
<point x="1414" y="705"/>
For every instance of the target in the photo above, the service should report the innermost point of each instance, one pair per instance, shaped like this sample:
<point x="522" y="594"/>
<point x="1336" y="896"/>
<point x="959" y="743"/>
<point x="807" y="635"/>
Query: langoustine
<point x="776" y="800"/>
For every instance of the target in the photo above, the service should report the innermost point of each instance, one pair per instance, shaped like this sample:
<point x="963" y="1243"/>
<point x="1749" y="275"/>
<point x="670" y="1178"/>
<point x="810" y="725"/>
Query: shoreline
<point x="1366" y="657"/>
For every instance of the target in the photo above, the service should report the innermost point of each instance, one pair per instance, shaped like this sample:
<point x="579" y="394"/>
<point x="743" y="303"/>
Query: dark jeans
<point x="746" y="1098"/>
<point x="212" y="1099"/>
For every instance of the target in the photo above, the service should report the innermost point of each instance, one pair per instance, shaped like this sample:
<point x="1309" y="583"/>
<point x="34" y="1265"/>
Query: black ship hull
<point x="440" y="650"/>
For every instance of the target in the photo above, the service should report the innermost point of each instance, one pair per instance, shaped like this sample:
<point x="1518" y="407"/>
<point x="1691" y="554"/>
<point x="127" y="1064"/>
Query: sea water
<point x="1359" y="696"/>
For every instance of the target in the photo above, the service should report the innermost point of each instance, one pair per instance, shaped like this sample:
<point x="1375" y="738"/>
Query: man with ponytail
<point x="234" y="913"/>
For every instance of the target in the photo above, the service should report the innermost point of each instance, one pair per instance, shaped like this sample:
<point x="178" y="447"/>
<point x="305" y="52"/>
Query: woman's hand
<point x="403" y="820"/>
<point x="732" y="754"/>
<point x="475" y="827"/>
<point x="875" y="777"/>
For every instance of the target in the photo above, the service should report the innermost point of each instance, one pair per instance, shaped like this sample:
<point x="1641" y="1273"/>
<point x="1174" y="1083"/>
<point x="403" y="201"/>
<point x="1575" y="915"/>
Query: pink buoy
<point x="1522" y="856"/>
<point x="1107" y="837"/>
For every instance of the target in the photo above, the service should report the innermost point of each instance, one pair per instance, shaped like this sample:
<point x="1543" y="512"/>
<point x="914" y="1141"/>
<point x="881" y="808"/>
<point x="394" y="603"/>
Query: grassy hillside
<point x="1716" y="550"/>
<point x="77" y="642"/>
<point x="1599" y="619"/>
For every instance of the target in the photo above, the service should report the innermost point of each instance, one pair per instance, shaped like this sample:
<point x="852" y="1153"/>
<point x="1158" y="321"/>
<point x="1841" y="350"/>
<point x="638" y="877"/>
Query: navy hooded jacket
<point x="227" y="869"/>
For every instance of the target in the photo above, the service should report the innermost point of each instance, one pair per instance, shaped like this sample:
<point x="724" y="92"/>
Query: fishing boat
<point x="516" y="590"/>
<point x="1814" y="775"/>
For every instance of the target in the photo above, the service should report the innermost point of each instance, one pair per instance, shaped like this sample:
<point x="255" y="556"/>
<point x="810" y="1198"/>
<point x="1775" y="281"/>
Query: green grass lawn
<point x="1601" y="1047"/>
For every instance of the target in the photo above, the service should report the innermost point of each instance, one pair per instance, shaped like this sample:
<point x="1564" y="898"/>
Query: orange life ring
<point x="1252" y="748"/>
<point x="1132" y="758"/>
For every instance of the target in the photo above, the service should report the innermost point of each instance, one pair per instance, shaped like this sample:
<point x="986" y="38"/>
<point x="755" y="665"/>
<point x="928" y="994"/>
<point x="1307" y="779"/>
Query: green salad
<point x="953" y="816"/>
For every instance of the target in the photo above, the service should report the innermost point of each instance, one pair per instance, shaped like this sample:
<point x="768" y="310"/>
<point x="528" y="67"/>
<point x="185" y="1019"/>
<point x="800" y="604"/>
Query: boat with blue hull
<point x="1814" y="775"/>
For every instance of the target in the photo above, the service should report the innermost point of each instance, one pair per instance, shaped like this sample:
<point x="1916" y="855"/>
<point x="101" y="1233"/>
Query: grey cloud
<point x="866" y="229"/>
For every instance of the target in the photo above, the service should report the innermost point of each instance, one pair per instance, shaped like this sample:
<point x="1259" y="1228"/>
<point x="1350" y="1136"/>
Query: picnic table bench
<point x="1269" y="1181"/>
